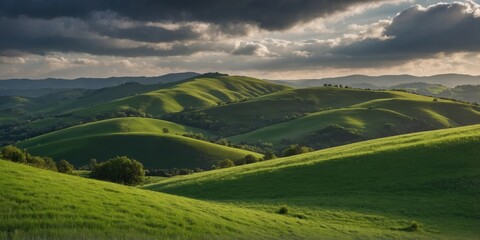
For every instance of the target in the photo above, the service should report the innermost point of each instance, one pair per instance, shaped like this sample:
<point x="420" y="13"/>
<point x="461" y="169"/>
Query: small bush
<point x="250" y="159"/>
<point x="64" y="166"/>
<point x="283" y="210"/>
<point x="295" y="149"/>
<point x="226" y="163"/>
<point x="269" y="155"/>
<point x="13" y="154"/>
<point x="414" y="226"/>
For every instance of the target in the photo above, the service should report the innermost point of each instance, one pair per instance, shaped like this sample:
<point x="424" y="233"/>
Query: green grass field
<point x="39" y="204"/>
<point x="430" y="177"/>
<point x="138" y="138"/>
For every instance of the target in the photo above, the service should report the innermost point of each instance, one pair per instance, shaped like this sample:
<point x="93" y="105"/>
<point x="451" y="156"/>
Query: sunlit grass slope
<point x="139" y="138"/>
<point x="197" y="92"/>
<point x="279" y="106"/>
<point x="431" y="177"/>
<point x="371" y="119"/>
<point x="369" y="112"/>
<point x="39" y="204"/>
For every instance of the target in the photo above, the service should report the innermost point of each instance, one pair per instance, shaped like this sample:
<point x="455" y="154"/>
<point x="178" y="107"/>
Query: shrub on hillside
<point x="250" y="159"/>
<point x="13" y="154"/>
<point x="120" y="170"/>
<point x="283" y="210"/>
<point x="414" y="226"/>
<point x="295" y="149"/>
<point x="64" y="166"/>
<point x="50" y="164"/>
<point x="226" y="163"/>
<point x="269" y="155"/>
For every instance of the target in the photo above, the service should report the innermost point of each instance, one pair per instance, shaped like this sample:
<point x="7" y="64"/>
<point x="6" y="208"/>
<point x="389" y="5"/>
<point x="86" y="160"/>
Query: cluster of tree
<point x="195" y="119"/>
<point x="200" y="119"/>
<point x="11" y="133"/>
<point x="14" y="154"/>
<point x="259" y="147"/>
<point x="332" y="135"/>
<point x="22" y="129"/>
<point x="171" y="172"/>
<point x="121" y="170"/>
<point x="120" y="114"/>
<point x="334" y="85"/>
<point x="248" y="159"/>
<point x="295" y="149"/>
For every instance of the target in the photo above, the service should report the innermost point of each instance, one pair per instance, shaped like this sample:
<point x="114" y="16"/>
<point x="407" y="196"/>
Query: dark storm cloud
<point x="267" y="14"/>
<point x="96" y="26"/>
<point x="415" y="33"/>
<point x="69" y="35"/>
<point x="420" y="32"/>
<point x="148" y="33"/>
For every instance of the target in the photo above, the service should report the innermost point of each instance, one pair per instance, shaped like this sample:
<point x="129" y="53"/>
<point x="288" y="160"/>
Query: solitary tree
<point x="120" y="170"/>
<point x="165" y="130"/>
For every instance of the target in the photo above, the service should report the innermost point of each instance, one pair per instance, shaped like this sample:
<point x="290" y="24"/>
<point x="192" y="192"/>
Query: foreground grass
<point x="431" y="177"/>
<point x="39" y="204"/>
<point x="36" y="203"/>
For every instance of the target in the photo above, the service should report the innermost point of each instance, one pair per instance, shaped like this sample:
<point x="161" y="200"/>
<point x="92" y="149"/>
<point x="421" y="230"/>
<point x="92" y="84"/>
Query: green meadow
<point x="140" y="138"/>
<point x="373" y="189"/>
<point x="388" y="165"/>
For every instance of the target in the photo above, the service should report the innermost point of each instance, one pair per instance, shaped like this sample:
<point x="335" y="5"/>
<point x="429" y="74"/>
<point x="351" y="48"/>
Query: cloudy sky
<point x="276" y="39"/>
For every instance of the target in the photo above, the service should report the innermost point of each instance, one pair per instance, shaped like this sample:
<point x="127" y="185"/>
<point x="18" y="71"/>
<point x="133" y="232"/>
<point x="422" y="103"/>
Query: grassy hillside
<point x="372" y="119"/>
<point x="371" y="114"/>
<point x="202" y="91"/>
<point x="139" y="138"/>
<point x="39" y="204"/>
<point x="74" y="107"/>
<point x="431" y="177"/>
<point x="281" y="106"/>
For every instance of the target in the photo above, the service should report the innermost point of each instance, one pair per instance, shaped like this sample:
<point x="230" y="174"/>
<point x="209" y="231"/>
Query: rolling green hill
<point x="202" y="91"/>
<point x="139" y="138"/>
<point x="281" y="106"/>
<point x="39" y="204"/>
<point x="75" y="107"/>
<point x="306" y="116"/>
<point x="372" y="119"/>
<point x="431" y="177"/>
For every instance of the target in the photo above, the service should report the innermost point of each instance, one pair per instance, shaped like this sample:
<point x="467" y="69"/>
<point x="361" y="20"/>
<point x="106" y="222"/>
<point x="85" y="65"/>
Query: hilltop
<point x="384" y="81"/>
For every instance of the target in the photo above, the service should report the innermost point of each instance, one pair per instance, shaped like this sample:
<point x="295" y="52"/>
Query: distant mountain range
<point x="385" y="81"/>
<point x="40" y="87"/>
